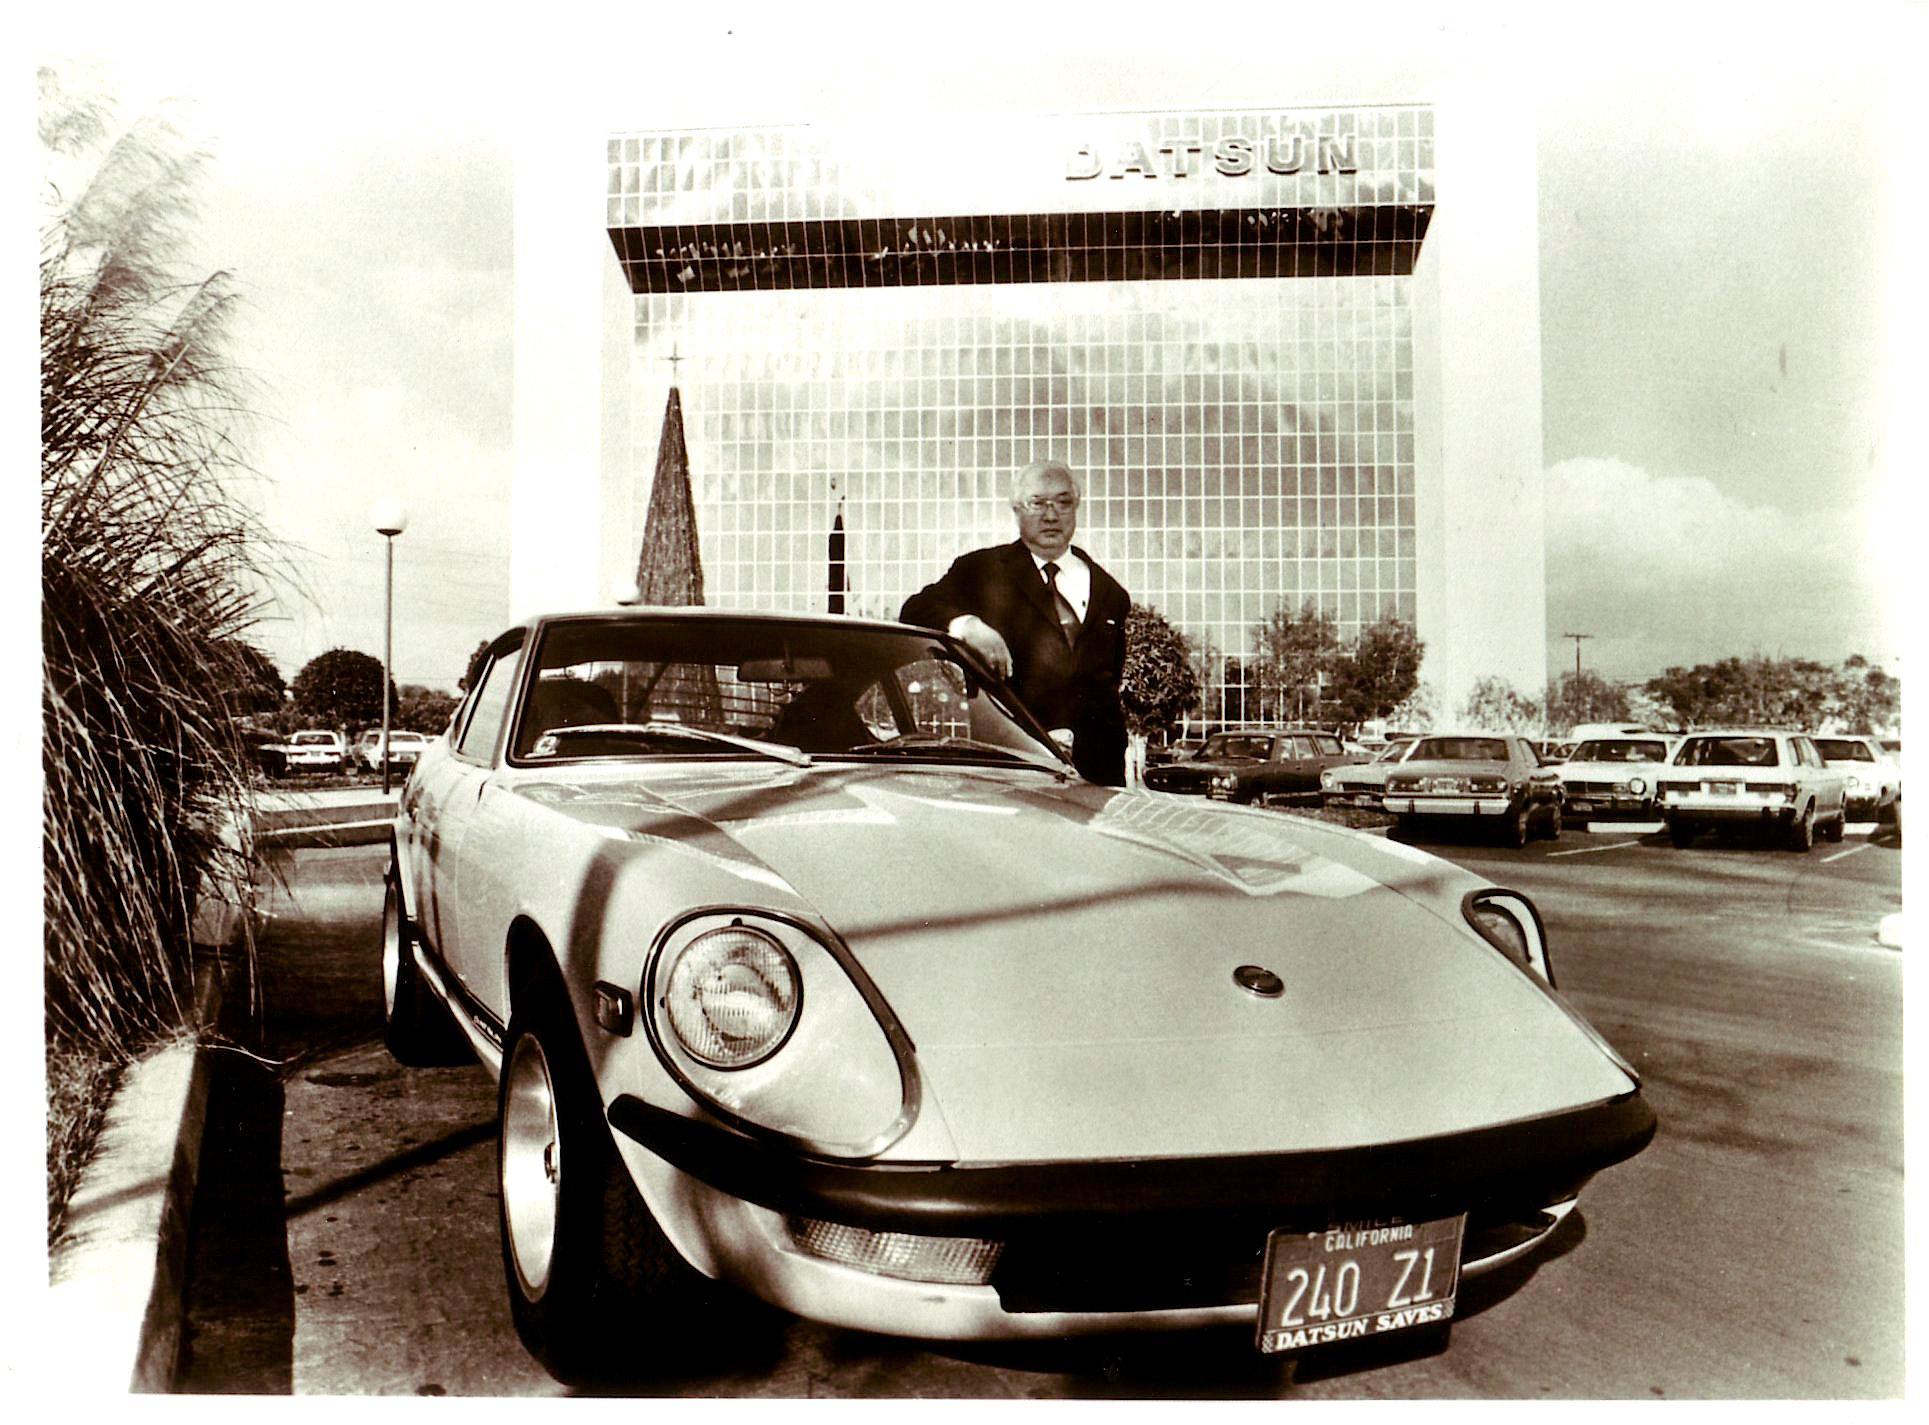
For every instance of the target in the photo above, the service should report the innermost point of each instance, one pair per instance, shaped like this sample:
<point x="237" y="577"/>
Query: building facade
<point x="1293" y="355"/>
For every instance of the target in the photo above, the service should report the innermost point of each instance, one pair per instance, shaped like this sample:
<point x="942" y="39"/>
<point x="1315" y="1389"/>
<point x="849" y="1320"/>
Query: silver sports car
<point x="811" y="972"/>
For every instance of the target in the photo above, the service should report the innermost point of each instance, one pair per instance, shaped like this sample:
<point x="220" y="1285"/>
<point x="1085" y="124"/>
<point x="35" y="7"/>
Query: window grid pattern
<point x="1243" y="445"/>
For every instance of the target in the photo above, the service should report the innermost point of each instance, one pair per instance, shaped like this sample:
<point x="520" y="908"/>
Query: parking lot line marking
<point x="1845" y="851"/>
<point x="1588" y="850"/>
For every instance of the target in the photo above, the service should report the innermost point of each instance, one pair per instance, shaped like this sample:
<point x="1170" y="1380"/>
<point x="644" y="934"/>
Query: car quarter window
<point x="491" y="706"/>
<point x="1330" y="746"/>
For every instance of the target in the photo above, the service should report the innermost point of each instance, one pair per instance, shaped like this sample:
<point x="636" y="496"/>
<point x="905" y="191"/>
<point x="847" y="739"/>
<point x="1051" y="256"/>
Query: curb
<point x="117" y="1276"/>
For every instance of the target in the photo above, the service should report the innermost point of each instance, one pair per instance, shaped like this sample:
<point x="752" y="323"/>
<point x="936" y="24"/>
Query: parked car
<point x="1614" y="776"/>
<point x="1363" y="784"/>
<point x="313" y="750"/>
<point x="403" y="748"/>
<point x="1480" y="774"/>
<point x="1772" y="780"/>
<point x="1248" y="767"/>
<point x="809" y="970"/>
<point x="1874" y="778"/>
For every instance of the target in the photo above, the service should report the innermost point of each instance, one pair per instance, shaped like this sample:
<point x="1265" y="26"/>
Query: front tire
<point x="1801" y="831"/>
<point x="592" y="1279"/>
<point x="1838" y="826"/>
<point x="1681" y="832"/>
<point x="416" y="1025"/>
<point x="1552" y="826"/>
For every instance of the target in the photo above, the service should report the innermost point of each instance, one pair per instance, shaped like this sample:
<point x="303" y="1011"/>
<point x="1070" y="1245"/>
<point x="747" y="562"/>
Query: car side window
<point x="491" y="707"/>
<point x="1328" y="747"/>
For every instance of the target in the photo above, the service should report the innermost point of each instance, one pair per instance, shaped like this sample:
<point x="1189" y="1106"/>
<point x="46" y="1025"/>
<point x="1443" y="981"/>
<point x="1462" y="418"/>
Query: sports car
<point x="810" y="972"/>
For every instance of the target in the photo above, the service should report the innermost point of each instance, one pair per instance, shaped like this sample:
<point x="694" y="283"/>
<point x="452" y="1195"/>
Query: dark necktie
<point x="1067" y="615"/>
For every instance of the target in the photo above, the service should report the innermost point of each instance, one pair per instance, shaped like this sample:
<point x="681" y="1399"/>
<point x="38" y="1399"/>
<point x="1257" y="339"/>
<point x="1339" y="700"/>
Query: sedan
<point x="1363" y="784"/>
<point x="1474" y="775"/>
<point x="403" y="749"/>
<point x="1874" y="775"/>
<point x="1251" y="766"/>
<point x="1753" y="779"/>
<point x="1614" y="776"/>
<point x="314" y="750"/>
<point x="810" y="972"/>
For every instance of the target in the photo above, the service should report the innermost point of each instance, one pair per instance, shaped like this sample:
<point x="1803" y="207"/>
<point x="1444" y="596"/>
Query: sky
<point x="1717" y="283"/>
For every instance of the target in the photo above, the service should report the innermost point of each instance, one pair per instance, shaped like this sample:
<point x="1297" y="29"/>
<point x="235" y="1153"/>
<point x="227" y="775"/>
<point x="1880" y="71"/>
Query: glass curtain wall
<point x="1240" y="413"/>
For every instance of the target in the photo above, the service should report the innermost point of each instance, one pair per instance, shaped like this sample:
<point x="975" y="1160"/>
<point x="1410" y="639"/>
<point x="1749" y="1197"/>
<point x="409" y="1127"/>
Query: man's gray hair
<point x="1041" y="467"/>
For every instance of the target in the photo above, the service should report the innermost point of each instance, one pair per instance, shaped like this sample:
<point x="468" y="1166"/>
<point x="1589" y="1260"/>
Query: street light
<point x="389" y="519"/>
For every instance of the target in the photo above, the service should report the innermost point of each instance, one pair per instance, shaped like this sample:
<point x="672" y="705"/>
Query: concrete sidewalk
<point x="117" y="1276"/>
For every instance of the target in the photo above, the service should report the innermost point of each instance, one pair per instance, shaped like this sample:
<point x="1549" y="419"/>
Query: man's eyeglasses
<point x="1038" y="504"/>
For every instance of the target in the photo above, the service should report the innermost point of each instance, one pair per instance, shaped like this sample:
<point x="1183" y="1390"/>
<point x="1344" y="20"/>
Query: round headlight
<point x="1637" y="785"/>
<point x="732" y="997"/>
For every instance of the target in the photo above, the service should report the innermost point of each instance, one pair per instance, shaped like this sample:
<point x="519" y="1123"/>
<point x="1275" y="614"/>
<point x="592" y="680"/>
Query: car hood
<point x="1062" y="957"/>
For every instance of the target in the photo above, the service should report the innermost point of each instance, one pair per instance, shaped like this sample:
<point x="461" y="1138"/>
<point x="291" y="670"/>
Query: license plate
<point x="1724" y="789"/>
<point x="1580" y="806"/>
<point x="1360" y="1279"/>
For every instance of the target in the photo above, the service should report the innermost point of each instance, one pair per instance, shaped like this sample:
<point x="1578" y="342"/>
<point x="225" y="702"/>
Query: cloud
<point x="1669" y="570"/>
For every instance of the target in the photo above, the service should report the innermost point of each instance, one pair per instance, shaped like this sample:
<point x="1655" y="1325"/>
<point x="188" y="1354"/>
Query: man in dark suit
<point x="1044" y="615"/>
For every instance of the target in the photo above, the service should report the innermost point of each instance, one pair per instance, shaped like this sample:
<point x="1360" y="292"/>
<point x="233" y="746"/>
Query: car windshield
<point x="1232" y="744"/>
<point x="1844" y="749"/>
<point x="1620" y="749"/>
<point x="708" y="687"/>
<point x="1727" y="752"/>
<point x="1460" y="749"/>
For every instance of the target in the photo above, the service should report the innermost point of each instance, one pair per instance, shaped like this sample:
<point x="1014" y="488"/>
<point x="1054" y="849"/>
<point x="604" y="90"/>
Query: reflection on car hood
<point x="1609" y="771"/>
<point x="1062" y="957"/>
<point x="1449" y="769"/>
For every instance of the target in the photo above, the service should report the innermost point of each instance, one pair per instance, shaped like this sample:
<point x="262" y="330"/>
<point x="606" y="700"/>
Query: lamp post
<point x="389" y="519"/>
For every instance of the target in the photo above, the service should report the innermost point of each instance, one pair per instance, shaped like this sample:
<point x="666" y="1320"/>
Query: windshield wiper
<point x="775" y="751"/>
<point x="918" y="744"/>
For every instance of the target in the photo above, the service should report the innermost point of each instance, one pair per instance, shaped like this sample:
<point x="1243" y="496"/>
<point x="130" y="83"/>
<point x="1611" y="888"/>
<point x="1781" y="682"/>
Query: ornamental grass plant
<point x="149" y="571"/>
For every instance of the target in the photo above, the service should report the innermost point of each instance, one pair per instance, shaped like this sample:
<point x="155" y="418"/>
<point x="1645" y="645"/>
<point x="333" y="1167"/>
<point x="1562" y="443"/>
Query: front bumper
<point x="1449" y="806"/>
<point x="1097" y="1246"/>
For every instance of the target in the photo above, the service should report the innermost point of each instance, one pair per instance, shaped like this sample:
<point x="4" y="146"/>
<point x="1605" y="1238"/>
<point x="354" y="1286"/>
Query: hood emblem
<point x="1259" y="980"/>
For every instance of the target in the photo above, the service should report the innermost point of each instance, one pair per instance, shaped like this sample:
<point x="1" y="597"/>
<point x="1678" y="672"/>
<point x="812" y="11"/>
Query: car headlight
<point x="776" y="1028"/>
<point x="1637" y="785"/>
<point x="1326" y="782"/>
<point x="1508" y="921"/>
<point x="1856" y="784"/>
<point x="733" y="996"/>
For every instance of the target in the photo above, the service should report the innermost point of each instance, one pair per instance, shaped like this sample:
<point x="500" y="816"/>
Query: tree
<point x="1296" y="655"/>
<point x="1788" y="692"/>
<point x="1582" y="696"/>
<point x="1495" y="704"/>
<point x="425" y="710"/>
<point x="1160" y="684"/>
<point x="1380" y="672"/>
<point x="468" y="678"/>
<point x="342" y="688"/>
<point x="1867" y="699"/>
<point x="149" y="567"/>
<point x="250" y="682"/>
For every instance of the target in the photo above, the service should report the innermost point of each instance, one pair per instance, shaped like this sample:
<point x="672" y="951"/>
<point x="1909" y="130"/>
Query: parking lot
<point x="346" y="1240"/>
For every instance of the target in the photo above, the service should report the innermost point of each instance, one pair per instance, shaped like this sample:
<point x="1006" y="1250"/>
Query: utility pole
<point x="1577" y="637"/>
